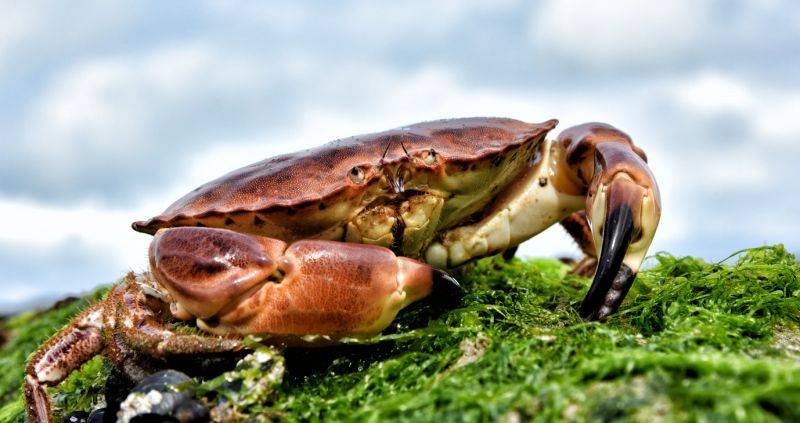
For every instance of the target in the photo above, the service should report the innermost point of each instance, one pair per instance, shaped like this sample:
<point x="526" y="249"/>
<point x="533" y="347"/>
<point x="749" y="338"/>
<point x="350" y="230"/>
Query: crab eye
<point x="356" y="175"/>
<point x="430" y="158"/>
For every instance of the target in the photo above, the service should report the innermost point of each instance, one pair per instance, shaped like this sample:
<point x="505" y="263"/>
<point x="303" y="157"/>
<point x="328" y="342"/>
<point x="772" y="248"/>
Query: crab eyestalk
<point x="623" y="208"/>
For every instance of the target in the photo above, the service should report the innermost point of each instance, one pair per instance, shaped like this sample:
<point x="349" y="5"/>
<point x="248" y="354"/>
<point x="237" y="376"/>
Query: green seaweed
<point x="694" y="341"/>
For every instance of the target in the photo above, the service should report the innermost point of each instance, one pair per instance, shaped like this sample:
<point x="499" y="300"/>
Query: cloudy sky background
<point x="111" y="110"/>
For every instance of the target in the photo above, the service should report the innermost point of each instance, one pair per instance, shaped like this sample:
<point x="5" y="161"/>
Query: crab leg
<point x="56" y="359"/>
<point x="577" y="226"/>
<point x="123" y="324"/>
<point x="623" y="207"/>
<point x="233" y="283"/>
<point x="136" y="305"/>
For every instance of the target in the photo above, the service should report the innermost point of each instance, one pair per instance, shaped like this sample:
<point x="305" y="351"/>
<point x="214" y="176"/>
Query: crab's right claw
<point x="623" y="207"/>
<point x="624" y="217"/>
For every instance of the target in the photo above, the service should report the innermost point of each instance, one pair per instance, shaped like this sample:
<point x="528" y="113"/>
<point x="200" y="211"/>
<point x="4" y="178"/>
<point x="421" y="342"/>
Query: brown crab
<point x="277" y="248"/>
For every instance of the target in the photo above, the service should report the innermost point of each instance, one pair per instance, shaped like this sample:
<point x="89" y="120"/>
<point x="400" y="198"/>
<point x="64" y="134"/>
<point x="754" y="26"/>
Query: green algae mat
<point x="694" y="341"/>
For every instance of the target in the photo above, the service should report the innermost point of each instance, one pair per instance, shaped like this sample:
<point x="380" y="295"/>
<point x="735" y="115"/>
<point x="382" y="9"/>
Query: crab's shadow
<point x="302" y="363"/>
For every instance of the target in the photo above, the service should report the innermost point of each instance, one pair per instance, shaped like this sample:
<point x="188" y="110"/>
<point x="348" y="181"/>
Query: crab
<point x="332" y="242"/>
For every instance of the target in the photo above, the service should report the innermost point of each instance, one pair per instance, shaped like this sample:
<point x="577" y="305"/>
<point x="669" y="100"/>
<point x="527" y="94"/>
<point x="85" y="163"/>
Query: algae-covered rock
<point x="693" y="341"/>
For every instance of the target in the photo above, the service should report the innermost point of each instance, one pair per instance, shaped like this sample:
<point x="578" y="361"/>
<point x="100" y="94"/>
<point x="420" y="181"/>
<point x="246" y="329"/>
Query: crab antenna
<point x="386" y="150"/>
<point x="404" y="149"/>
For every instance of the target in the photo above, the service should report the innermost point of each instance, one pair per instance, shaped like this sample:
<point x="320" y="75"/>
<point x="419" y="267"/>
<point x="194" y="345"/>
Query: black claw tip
<point x="619" y="289"/>
<point x="601" y="301"/>
<point x="446" y="289"/>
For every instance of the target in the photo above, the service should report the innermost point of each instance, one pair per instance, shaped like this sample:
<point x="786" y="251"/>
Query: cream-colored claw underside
<point x="528" y="206"/>
<point x="648" y="218"/>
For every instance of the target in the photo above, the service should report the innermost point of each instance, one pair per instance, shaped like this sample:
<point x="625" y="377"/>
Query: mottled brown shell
<point x="287" y="183"/>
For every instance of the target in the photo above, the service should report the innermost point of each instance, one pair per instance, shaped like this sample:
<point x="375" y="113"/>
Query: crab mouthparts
<point x="397" y="185"/>
<point x="396" y="179"/>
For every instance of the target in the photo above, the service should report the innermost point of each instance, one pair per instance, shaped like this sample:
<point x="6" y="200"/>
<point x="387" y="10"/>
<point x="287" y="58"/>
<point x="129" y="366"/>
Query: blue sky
<point x="111" y="110"/>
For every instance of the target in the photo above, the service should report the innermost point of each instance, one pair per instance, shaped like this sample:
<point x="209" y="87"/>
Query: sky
<point x="109" y="111"/>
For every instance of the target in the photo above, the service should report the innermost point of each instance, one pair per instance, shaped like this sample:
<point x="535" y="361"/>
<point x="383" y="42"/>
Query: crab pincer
<point x="623" y="208"/>
<point x="237" y="284"/>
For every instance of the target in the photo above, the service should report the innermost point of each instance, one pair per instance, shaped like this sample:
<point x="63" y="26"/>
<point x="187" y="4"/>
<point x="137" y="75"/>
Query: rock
<point x="96" y="416"/>
<point x="166" y="396"/>
<point x="76" y="417"/>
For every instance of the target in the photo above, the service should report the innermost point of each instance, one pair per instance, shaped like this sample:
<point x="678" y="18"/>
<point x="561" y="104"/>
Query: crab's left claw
<point x="623" y="208"/>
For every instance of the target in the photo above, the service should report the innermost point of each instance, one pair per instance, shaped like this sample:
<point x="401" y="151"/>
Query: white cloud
<point x="373" y="22"/>
<point x="736" y="169"/>
<point x="712" y="92"/>
<point x="48" y="250"/>
<point x="772" y="112"/>
<point x="388" y="20"/>
<point x="46" y="226"/>
<point x="779" y="118"/>
<point x="100" y="122"/>
<point x="32" y="274"/>
<point x="284" y="15"/>
<point x="17" y="22"/>
<point x="110" y="105"/>
<point x="35" y="30"/>
<point x="617" y="33"/>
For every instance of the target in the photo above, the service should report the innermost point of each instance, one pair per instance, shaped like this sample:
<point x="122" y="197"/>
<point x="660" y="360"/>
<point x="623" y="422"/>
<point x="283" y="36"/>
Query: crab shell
<point x="397" y="188"/>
